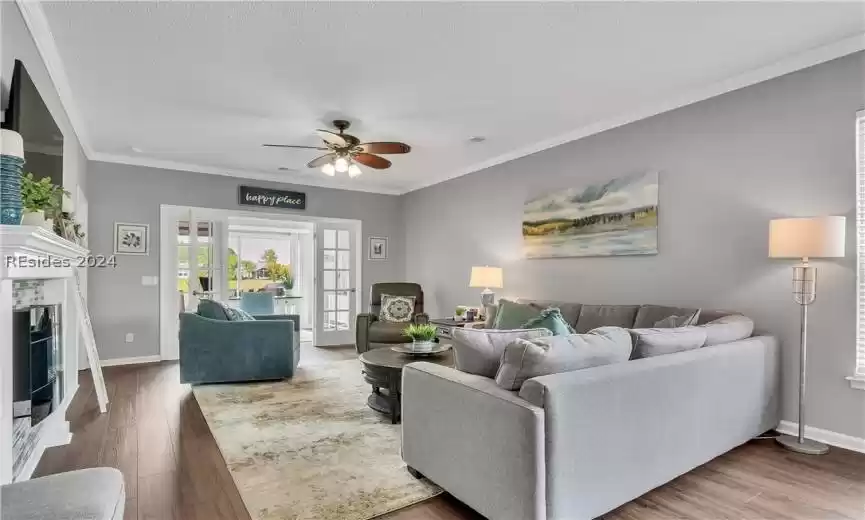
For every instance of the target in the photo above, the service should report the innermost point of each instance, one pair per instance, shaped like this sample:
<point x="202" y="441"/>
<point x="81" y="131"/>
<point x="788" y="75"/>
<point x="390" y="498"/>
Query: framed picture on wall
<point x="131" y="239"/>
<point x="378" y="248"/>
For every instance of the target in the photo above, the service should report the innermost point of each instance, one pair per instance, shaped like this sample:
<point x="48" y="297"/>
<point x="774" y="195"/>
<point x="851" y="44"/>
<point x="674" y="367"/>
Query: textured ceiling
<point x="204" y="84"/>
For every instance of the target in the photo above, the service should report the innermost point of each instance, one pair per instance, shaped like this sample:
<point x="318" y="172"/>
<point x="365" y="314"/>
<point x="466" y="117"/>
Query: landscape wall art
<point x="618" y="217"/>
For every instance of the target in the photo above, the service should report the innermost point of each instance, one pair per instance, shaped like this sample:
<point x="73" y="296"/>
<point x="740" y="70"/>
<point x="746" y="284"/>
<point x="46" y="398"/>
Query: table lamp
<point x="804" y="238"/>
<point x="486" y="277"/>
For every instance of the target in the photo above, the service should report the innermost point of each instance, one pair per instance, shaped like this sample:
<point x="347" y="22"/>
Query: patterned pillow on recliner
<point x="396" y="309"/>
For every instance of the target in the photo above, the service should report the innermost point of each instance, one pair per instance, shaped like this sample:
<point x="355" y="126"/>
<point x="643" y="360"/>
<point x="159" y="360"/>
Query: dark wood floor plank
<point x="155" y="434"/>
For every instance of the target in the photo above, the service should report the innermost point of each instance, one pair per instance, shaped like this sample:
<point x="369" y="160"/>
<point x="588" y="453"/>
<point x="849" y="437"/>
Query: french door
<point x="336" y="299"/>
<point x="196" y="270"/>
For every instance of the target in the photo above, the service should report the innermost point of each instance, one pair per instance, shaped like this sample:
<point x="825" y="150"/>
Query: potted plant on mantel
<point x="40" y="198"/>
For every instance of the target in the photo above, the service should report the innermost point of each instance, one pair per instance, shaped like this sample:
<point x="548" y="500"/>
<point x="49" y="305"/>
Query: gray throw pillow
<point x="657" y="342"/>
<point x="727" y="328"/>
<point x="524" y="359"/>
<point x="673" y="321"/>
<point x="479" y="351"/>
<point x="396" y="309"/>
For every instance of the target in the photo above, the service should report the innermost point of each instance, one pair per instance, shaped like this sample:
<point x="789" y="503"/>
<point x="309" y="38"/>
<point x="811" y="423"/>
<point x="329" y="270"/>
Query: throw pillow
<point x="673" y="321"/>
<point x="511" y="315"/>
<point x="550" y="319"/>
<point x="396" y="309"/>
<point x="524" y="359"/>
<point x="240" y="315"/>
<point x="657" y="342"/>
<point x="479" y="351"/>
<point x="727" y="328"/>
<point x="214" y="310"/>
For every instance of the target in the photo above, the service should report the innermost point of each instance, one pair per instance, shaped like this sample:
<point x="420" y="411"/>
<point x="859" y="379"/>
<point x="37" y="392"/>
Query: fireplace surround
<point x="40" y="286"/>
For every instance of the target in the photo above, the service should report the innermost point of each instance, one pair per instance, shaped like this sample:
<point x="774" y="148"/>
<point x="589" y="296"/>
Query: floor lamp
<point x="804" y="238"/>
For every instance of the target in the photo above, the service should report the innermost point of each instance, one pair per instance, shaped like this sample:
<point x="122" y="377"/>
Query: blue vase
<point x="10" y="189"/>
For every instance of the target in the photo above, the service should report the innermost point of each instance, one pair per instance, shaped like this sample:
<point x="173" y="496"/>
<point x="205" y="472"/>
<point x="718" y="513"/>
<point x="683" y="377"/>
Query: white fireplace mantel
<point x="34" y="253"/>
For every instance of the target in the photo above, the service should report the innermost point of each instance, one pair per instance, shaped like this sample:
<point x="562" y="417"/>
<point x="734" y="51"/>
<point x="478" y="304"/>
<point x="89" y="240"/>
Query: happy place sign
<point x="268" y="198"/>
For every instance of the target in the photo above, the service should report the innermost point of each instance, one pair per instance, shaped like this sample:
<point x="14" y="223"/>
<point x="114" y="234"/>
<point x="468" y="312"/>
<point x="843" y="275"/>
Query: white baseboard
<point x="825" y="436"/>
<point x="130" y="361"/>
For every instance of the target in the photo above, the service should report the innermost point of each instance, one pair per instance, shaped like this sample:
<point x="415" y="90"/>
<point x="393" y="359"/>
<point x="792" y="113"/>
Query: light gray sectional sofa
<point x="575" y="445"/>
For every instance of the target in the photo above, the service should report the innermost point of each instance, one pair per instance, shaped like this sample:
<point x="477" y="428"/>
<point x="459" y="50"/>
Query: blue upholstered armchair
<point x="214" y="350"/>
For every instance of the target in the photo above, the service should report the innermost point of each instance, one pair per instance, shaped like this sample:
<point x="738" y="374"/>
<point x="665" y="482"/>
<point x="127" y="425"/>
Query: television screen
<point x="28" y="115"/>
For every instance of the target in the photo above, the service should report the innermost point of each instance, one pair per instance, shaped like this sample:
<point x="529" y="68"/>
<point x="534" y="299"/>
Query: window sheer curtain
<point x="860" y="244"/>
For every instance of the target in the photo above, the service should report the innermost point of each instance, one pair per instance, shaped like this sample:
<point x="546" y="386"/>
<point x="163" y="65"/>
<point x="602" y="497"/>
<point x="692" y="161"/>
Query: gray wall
<point x="729" y="164"/>
<point x="119" y="193"/>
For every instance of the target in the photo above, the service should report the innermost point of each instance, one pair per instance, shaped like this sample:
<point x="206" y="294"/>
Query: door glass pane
<point x="343" y="241"/>
<point x="343" y="258"/>
<point x="343" y="280"/>
<point x="329" y="301"/>
<point x="329" y="261"/>
<point x="342" y="301"/>
<point x="328" y="281"/>
<point x="342" y="320"/>
<point x="329" y="239"/>
<point x="329" y="321"/>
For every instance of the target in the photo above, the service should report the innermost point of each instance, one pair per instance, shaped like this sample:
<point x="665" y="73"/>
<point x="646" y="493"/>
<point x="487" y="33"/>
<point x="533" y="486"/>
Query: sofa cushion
<point x="649" y="315"/>
<point x="396" y="309"/>
<point x="92" y="494"/>
<point x="707" y="316"/>
<point x="657" y="342"/>
<point x="726" y="329"/>
<point x="479" y="351"/>
<point x="214" y="310"/>
<point x="239" y="315"/>
<point x="550" y="319"/>
<point x="570" y="311"/>
<point x="511" y="315"/>
<point x="386" y="332"/>
<point x="524" y="359"/>
<point x="594" y="316"/>
<point x="674" y="320"/>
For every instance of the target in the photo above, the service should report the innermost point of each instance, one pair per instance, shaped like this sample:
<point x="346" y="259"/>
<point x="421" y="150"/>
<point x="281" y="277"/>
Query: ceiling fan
<point x="345" y="151"/>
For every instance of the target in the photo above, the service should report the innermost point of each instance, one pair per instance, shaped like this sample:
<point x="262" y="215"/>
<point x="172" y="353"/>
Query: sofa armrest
<point x="361" y="331"/>
<point x="483" y="444"/>
<point x="641" y="423"/>
<point x="421" y="318"/>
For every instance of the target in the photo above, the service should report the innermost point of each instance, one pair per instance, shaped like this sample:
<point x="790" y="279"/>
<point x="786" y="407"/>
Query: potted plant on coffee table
<point x="422" y="336"/>
<point x="40" y="199"/>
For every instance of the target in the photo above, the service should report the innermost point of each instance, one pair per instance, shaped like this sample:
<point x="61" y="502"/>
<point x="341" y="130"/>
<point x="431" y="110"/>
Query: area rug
<point x="310" y="448"/>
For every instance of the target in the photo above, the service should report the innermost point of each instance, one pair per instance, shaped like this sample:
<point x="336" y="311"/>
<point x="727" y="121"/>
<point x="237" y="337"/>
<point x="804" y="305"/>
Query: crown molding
<point x="40" y="30"/>
<point x="283" y="177"/>
<point x="785" y="66"/>
<point x="37" y="23"/>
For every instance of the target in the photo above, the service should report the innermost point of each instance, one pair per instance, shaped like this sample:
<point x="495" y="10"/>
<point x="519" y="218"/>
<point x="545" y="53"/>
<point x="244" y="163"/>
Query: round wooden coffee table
<point x="382" y="368"/>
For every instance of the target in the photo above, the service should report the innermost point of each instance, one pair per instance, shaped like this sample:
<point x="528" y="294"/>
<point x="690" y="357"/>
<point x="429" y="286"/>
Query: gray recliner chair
<point x="372" y="333"/>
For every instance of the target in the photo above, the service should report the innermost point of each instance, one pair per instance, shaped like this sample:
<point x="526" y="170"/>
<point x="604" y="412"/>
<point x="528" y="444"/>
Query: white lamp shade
<point x="486" y="277"/>
<point x="816" y="237"/>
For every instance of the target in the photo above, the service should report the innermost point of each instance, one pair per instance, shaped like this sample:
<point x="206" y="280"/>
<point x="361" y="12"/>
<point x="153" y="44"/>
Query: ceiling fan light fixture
<point x="341" y="164"/>
<point x="354" y="170"/>
<point x="328" y="170"/>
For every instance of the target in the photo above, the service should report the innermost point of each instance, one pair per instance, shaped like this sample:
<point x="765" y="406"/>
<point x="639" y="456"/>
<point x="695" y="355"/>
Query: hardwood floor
<point x="155" y="434"/>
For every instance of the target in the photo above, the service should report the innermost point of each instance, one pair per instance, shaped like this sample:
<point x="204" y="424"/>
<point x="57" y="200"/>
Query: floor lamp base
<point x="807" y="446"/>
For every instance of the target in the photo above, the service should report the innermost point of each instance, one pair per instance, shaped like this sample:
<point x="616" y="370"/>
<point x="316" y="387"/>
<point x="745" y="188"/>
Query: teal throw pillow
<point x="511" y="315"/>
<point x="213" y="309"/>
<point x="552" y="320"/>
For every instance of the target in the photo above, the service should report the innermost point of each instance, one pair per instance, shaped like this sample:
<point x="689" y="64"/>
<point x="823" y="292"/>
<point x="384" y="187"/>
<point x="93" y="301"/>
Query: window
<point x="860" y="247"/>
<point x="262" y="262"/>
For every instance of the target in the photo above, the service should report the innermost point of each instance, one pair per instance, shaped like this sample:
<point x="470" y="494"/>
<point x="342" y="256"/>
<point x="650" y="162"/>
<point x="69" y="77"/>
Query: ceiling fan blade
<point x="332" y="138"/>
<point x="321" y="161"/>
<point x="373" y="161"/>
<point x="295" y="146"/>
<point x="388" y="147"/>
